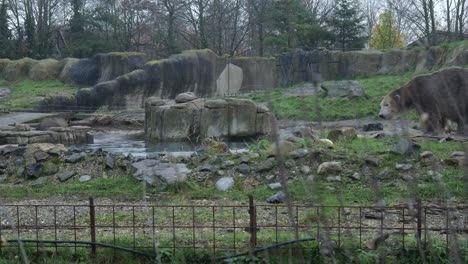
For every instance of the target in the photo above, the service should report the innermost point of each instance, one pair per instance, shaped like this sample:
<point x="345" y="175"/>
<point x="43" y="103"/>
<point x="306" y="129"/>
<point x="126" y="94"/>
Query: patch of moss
<point x="127" y="54"/>
<point x="27" y="94"/>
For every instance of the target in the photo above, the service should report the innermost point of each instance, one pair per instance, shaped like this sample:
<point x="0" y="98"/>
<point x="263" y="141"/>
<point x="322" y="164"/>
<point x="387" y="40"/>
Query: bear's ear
<point x="397" y="98"/>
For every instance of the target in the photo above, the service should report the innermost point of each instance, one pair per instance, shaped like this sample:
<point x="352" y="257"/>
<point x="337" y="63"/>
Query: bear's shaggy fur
<point x="438" y="98"/>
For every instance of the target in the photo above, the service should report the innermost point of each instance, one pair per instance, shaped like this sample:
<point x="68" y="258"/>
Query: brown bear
<point x="438" y="98"/>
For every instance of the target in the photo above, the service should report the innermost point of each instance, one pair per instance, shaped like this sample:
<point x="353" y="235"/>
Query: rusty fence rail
<point x="229" y="229"/>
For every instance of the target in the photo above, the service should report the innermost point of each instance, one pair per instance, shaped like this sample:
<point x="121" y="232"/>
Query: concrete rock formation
<point x="230" y="80"/>
<point x="56" y="135"/>
<point x="202" y="118"/>
<point x="124" y="80"/>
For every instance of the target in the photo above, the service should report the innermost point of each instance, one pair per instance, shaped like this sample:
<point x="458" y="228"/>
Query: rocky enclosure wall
<point x="303" y="66"/>
<point x="124" y="80"/>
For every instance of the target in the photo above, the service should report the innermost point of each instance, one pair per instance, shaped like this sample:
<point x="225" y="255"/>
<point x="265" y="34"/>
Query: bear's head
<point x="390" y="106"/>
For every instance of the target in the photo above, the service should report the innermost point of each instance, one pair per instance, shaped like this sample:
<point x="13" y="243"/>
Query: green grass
<point x="452" y="45"/>
<point x="124" y="187"/>
<point x="329" y="109"/>
<point x="26" y="93"/>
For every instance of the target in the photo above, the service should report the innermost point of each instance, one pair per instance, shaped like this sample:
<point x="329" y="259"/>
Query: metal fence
<point x="222" y="230"/>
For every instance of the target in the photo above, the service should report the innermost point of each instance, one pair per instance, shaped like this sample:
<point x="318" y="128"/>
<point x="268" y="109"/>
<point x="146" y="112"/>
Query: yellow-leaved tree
<point x="385" y="34"/>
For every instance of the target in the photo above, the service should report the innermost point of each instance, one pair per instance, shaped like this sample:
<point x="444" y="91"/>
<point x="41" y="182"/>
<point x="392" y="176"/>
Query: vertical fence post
<point x="92" y="225"/>
<point x="253" y="222"/>
<point x="418" y="201"/>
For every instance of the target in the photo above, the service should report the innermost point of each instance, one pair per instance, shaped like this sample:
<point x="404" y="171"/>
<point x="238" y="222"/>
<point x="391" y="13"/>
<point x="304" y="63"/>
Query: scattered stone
<point x="243" y="168"/>
<point x="206" y="168"/>
<point x="284" y="148"/>
<point x="85" y="178"/>
<point x="457" y="154"/>
<point x="185" y="97"/>
<point x="407" y="178"/>
<point x="355" y="177"/>
<point x="4" y="92"/>
<point x="435" y="175"/>
<point x="298" y="153"/>
<point x="254" y="155"/>
<point x="220" y="172"/>
<point x="244" y="159"/>
<point x="199" y="152"/>
<point x="329" y="167"/>
<point x="22" y="127"/>
<point x="326" y="142"/>
<point x="227" y="163"/>
<point x="12" y="150"/>
<point x="40" y="155"/>
<point x="384" y="174"/>
<point x="109" y="162"/>
<point x="329" y="188"/>
<point x="75" y="157"/>
<point x="348" y="89"/>
<point x="374" y="243"/>
<point x="225" y="183"/>
<point x="274" y="186"/>
<point x="343" y="133"/>
<point x="333" y="179"/>
<point x="157" y="173"/>
<point x="405" y="147"/>
<point x="270" y="177"/>
<point x="19" y="161"/>
<point x="371" y="162"/>
<point x="65" y="176"/>
<point x="457" y="161"/>
<point x="33" y="171"/>
<point x="305" y="169"/>
<point x="426" y="154"/>
<point x="404" y="166"/>
<point x="375" y="216"/>
<point x="290" y="164"/>
<point x="51" y="169"/>
<point x="266" y="165"/>
<point x="37" y="185"/>
<point x="20" y="172"/>
<point x="278" y="197"/>
<point x="373" y="127"/>
<point x="216" y="160"/>
<point x="3" y="165"/>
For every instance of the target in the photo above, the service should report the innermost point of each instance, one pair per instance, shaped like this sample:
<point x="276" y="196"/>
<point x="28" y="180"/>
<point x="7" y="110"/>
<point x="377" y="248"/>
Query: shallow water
<point x="133" y="142"/>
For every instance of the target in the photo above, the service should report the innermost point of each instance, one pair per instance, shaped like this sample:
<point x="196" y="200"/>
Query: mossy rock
<point x="3" y="64"/>
<point x="18" y="69"/>
<point x="48" y="69"/>
<point x="66" y="75"/>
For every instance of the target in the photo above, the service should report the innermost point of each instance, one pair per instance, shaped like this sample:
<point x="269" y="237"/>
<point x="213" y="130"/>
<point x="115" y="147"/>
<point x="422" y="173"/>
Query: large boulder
<point x="66" y="75"/>
<point x="347" y="89"/>
<point x="49" y="122"/>
<point x="159" y="174"/>
<point x="242" y="116"/>
<point x="205" y="119"/>
<point x="47" y="69"/>
<point x="185" y="97"/>
<point x="18" y="69"/>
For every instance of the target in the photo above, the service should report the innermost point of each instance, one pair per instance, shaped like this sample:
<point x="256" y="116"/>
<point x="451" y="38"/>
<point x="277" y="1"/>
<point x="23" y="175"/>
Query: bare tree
<point x="460" y="10"/>
<point x="257" y="11"/>
<point x="372" y="10"/>
<point x="319" y="9"/>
